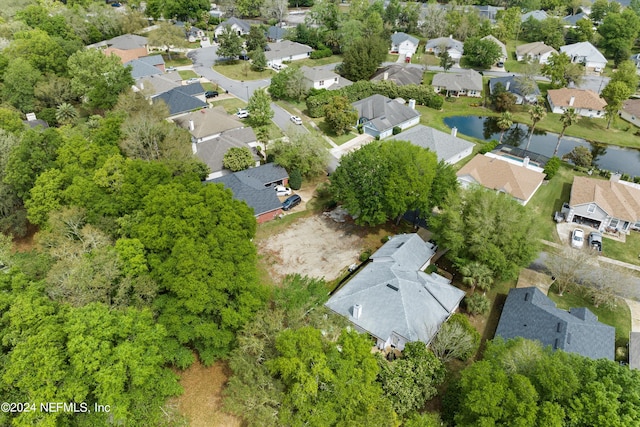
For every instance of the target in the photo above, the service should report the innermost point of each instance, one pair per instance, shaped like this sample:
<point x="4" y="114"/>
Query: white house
<point x="587" y="54"/>
<point x="239" y="26"/>
<point x="404" y="44"/>
<point x="321" y="78"/>
<point x="451" y="45"/>
<point x="464" y="82"/>
<point x="536" y="52"/>
<point x="378" y="115"/>
<point x="585" y="102"/>
<point x="514" y="86"/>
<point x="448" y="147"/>
<point x="502" y="46"/>
<point x="286" y="50"/>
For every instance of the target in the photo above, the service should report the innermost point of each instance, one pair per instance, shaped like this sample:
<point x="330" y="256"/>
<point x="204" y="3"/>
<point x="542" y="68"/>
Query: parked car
<point x="115" y="5"/>
<point x="577" y="238"/>
<point x="169" y="69"/>
<point x="193" y="80"/>
<point x="595" y="241"/>
<point x="242" y="113"/>
<point x="211" y="94"/>
<point x="500" y="64"/>
<point x="243" y="57"/>
<point x="297" y="120"/>
<point x="281" y="190"/>
<point x="291" y="202"/>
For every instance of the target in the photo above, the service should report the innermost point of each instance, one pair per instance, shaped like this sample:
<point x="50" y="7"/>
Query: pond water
<point x="609" y="157"/>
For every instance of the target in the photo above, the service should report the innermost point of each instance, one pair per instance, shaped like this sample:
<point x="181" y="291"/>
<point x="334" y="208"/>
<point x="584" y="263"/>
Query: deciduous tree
<point x="238" y="159"/>
<point x="363" y="57"/>
<point x="259" y="108"/>
<point x="456" y="339"/>
<point x="580" y="156"/>
<point x="230" y="44"/>
<point x="481" y="52"/>
<point x="288" y="84"/>
<point x="167" y="36"/>
<point x="302" y="152"/>
<point x="561" y="70"/>
<point x="340" y="115"/>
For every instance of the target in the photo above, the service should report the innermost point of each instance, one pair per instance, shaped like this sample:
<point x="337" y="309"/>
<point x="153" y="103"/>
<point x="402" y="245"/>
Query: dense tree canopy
<point x="383" y="180"/>
<point x="481" y="52"/>
<point x="489" y="227"/>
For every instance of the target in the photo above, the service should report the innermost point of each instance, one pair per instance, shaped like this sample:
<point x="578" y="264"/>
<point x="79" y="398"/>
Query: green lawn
<point x="619" y="318"/>
<point x="391" y="58"/>
<point x="627" y="252"/>
<point x="338" y="139"/>
<point x="230" y="104"/>
<point x="177" y="60"/>
<point x="333" y="59"/>
<point x="187" y="74"/>
<point x="549" y="198"/>
<point x="241" y="70"/>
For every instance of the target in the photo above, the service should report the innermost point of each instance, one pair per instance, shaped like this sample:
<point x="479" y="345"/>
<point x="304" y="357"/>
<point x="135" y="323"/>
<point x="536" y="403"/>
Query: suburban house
<point x="448" y="147"/>
<point x="158" y="83"/>
<point x="400" y="74"/>
<point x="520" y="181"/>
<point x="513" y="85"/>
<point x="530" y="314"/>
<point x="182" y="99"/>
<point x="194" y="34"/>
<point x="610" y="206"/>
<point x="393" y="300"/>
<point x="255" y="187"/>
<point x="538" y="15"/>
<point x="238" y="26"/>
<point x="403" y="44"/>
<point x="536" y="52"/>
<point x="463" y="82"/>
<point x="502" y="46"/>
<point x="378" y="115"/>
<point x="321" y="78"/>
<point x="571" y="21"/>
<point x="489" y="12"/>
<point x="146" y="66"/>
<point x="127" y="47"/>
<point x="451" y="45"/>
<point x="585" y="102"/>
<point x="585" y="53"/>
<point x="276" y="34"/>
<point x="630" y="111"/>
<point x="213" y="133"/>
<point x="286" y="50"/>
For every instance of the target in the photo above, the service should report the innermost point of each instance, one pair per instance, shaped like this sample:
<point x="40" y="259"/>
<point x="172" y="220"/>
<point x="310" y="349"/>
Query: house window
<point x="613" y="223"/>
<point x="591" y="208"/>
<point x="321" y="83"/>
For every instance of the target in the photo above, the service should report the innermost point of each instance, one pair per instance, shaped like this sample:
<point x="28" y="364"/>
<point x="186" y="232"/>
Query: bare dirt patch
<point x="201" y="401"/>
<point x="315" y="246"/>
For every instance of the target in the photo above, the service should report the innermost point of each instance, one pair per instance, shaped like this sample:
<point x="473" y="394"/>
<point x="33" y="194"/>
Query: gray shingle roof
<point x="449" y="42"/>
<point x="530" y="314"/>
<point x="395" y="296"/>
<point x="458" y="80"/>
<point x="212" y="151"/>
<point x="140" y="69"/>
<point x="276" y="33"/>
<point x="383" y="113"/>
<point x="284" y="49"/>
<point x="397" y="38"/>
<point x="572" y="19"/>
<point x="583" y="49"/>
<point x="159" y="83"/>
<point x="513" y="83"/>
<point x="538" y="15"/>
<point x="239" y="22"/>
<point x="443" y="144"/>
<point x="180" y="102"/>
<point x="250" y="186"/>
<point x="400" y="74"/>
<point x="127" y="42"/>
<point x="316" y="74"/>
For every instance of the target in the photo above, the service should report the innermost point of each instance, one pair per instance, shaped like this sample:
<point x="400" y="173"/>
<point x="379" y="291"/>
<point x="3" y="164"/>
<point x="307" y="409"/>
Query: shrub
<point x="625" y="177"/>
<point x="552" y="167"/>
<point x="489" y="146"/>
<point x="396" y="130"/>
<point x="322" y="53"/>
<point x="477" y="304"/>
<point x="636" y="179"/>
<point x="360" y="129"/>
<point x="295" y="180"/>
<point x="365" y="255"/>
<point x="604" y="173"/>
<point x="377" y="137"/>
<point x="457" y="339"/>
<point x="431" y="268"/>
<point x="238" y="158"/>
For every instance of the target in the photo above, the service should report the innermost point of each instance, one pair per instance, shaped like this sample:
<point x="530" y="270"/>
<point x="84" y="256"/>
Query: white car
<point x="577" y="238"/>
<point x="193" y="80"/>
<point x="281" y="190"/>
<point x="242" y="114"/>
<point x="297" y="120"/>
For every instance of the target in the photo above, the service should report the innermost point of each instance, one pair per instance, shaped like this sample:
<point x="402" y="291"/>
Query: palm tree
<point x="568" y="118"/>
<point x="475" y="274"/>
<point x="537" y="113"/>
<point x="66" y="113"/>
<point x="504" y="122"/>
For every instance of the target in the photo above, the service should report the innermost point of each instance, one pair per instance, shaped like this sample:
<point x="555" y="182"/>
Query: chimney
<point x="451" y="36"/>
<point x="507" y="86"/>
<point x="525" y="161"/>
<point x="385" y="76"/>
<point x="357" y="311"/>
<point x="571" y="101"/>
<point x="191" y="126"/>
<point x="454" y="131"/>
<point x="412" y="104"/>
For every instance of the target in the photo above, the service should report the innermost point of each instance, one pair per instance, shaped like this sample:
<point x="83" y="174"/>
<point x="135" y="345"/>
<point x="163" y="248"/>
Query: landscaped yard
<point x="333" y="59"/>
<point x="177" y="60"/>
<point x="627" y="252"/>
<point x="230" y="104"/>
<point x="187" y="74"/>
<point x="619" y="318"/>
<point x="241" y="70"/>
<point x="338" y="139"/>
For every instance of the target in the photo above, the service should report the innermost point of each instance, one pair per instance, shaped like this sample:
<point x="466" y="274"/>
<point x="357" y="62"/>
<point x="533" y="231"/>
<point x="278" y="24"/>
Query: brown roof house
<point x="519" y="180"/>
<point x="585" y="102"/>
<point x="213" y="133"/>
<point x="537" y="52"/>
<point x="400" y="74"/>
<point x="610" y="206"/>
<point x="631" y="111"/>
<point x="128" y="47"/>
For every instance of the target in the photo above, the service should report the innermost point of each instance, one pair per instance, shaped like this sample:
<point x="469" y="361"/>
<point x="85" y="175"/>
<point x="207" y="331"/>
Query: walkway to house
<point x="351" y="145"/>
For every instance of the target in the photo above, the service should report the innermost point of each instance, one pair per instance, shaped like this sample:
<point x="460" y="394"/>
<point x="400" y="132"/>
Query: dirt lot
<point x="315" y="246"/>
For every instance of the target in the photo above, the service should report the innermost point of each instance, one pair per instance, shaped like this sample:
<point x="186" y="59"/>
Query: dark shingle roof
<point x="384" y="113"/>
<point x="276" y="33"/>
<point x="252" y="186"/>
<point x="530" y="314"/>
<point x="140" y="69"/>
<point x="180" y="102"/>
<point x="400" y="74"/>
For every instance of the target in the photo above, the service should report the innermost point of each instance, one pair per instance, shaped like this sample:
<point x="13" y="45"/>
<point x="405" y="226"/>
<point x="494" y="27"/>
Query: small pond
<point x="609" y="157"/>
